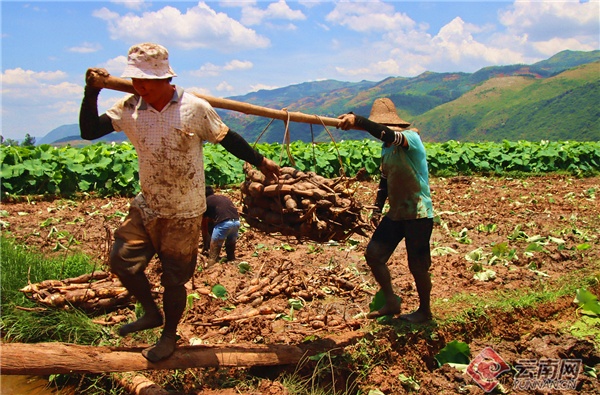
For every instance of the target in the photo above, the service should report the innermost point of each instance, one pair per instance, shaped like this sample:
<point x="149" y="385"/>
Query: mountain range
<point x="554" y="99"/>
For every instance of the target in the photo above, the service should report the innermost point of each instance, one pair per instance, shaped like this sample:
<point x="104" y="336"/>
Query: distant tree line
<point x="27" y="142"/>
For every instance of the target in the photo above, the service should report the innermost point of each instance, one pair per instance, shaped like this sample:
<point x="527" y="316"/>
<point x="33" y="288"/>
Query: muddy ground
<point x="336" y="286"/>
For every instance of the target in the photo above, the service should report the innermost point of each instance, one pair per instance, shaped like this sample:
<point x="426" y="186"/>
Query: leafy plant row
<point x="112" y="169"/>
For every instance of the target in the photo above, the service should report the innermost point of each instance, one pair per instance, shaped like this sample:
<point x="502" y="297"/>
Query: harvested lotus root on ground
<point x="93" y="291"/>
<point x="301" y="204"/>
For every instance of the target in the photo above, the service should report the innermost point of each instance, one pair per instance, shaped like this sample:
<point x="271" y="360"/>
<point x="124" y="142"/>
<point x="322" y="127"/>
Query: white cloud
<point x="257" y="87"/>
<point x="211" y="70"/>
<point x="369" y="16"/>
<point x="86" y="48"/>
<point x="207" y="70"/>
<point x="202" y="91"/>
<point x="528" y="31"/>
<point x="224" y="86"/>
<point x="323" y="26"/>
<point x="115" y="66"/>
<point x="198" y="27"/>
<point x="36" y="98"/>
<point x="136" y="5"/>
<point x="412" y="52"/>
<point x="65" y="107"/>
<point x="387" y="67"/>
<point x="26" y="78"/>
<point x="455" y="42"/>
<point x="254" y="16"/>
<point x="551" y="47"/>
<point x="545" y="28"/>
<point x="288" y="26"/>
<point x="546" y="20"/>
<point x="238" y="65"/>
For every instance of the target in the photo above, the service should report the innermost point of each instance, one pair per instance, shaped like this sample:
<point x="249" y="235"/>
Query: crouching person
<point x="220" y="224"/>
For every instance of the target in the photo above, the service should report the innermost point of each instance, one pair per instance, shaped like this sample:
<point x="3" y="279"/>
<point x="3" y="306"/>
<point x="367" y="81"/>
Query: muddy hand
<point x="347" y="121"/>
<point x="94" y="75"/>
<point x="269" y="168"/>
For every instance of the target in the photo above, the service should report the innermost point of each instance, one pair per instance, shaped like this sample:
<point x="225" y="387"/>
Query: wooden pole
<point x="123" y="85"/>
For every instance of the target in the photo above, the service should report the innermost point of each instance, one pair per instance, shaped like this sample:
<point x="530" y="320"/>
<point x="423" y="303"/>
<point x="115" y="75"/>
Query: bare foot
<point x="418" y="317"/>
<point x="161" y="350"/>
<point x="387" y="309"/>
<point x="146" y="322"/>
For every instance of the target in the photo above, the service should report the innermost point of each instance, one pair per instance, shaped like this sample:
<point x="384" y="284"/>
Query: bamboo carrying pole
<point x="123" y="85"/>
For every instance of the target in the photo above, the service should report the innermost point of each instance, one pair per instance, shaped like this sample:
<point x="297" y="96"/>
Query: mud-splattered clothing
<point x="169" y="147"/>
<point x="143" y="235"/>
<point x="407" y="179"/>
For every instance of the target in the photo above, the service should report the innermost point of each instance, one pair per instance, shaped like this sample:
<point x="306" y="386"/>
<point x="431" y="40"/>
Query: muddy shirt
<point x="408" y="179"/>
<point x="169" y="149"/>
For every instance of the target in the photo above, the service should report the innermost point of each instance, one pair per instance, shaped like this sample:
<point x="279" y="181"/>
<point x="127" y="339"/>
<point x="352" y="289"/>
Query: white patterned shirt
<point x="169" y="149"/>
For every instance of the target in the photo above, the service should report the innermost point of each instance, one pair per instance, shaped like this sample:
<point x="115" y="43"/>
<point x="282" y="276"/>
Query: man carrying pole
<point x="167" y="126"/>
<point x="405" y="181"/>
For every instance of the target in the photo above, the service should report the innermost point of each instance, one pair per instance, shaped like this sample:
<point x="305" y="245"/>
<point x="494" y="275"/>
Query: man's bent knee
<point x="128" y="260"/>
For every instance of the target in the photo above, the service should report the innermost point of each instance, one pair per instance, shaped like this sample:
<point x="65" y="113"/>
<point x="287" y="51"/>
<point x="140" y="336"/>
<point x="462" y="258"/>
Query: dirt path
<point x="476" y="216"/>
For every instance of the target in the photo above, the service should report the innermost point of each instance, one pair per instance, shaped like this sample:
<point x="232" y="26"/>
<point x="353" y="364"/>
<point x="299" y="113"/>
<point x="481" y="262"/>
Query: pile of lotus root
<point x="301" y="204"/>
<point x="94" y="291"/>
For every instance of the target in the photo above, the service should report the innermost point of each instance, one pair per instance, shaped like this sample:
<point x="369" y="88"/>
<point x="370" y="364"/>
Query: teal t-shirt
<point x="407" y="179"/>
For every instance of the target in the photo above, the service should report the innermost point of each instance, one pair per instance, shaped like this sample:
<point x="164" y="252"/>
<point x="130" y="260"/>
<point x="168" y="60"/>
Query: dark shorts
<point x="390" y="233"/>
<point x="139" y="238"/>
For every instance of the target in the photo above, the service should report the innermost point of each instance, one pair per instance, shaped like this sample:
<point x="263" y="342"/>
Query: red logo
<point x="486" y="367"/>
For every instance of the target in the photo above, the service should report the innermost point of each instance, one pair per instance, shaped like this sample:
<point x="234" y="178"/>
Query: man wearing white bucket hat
<point x="405" y="180"/>
<point x="167" y="126"/>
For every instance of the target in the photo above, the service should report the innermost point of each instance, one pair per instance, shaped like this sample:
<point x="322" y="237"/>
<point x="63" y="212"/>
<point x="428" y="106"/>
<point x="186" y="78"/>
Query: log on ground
<point x="62" y="358"/>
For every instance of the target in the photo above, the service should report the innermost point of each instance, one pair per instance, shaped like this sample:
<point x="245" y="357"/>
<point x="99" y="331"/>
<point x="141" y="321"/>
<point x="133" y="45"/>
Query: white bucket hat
<point x="148" y="61"/>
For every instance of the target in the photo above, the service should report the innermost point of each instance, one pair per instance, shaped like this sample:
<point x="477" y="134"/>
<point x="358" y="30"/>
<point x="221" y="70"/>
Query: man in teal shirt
<point x="405" y="181"/>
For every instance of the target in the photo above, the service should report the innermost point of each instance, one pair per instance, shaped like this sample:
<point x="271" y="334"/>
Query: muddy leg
<point x="174" y="300"/>
<point x="230" y="249"/>
<point x="382" y="274"/>
<point x="423" y="313"/>
<point x="139" y="287"/>
<point x="419" y="262"/>
<point x="128" y="262"/>
<point x="213" y="253"/>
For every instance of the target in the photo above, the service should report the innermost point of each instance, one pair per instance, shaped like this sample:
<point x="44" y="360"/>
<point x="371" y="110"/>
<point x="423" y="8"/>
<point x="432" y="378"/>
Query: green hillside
<point x="481" y="106"/>
<point x="563" y="107"/>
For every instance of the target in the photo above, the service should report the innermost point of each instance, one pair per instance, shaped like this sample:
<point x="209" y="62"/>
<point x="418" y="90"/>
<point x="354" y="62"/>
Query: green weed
<point x="20" y="265"/>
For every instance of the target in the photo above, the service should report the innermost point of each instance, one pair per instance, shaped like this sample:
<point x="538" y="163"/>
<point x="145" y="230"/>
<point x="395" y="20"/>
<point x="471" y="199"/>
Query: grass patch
<point x="20" y="264"/>
<point x="507" y="300"/>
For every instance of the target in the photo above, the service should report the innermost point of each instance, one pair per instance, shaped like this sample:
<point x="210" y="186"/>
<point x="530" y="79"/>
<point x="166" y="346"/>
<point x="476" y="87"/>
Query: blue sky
<point x="230" y="48"/>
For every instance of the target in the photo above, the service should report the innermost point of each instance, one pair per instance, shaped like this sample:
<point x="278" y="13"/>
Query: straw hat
<point x="148" y="61"/>
<point x="384" y="112"/>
